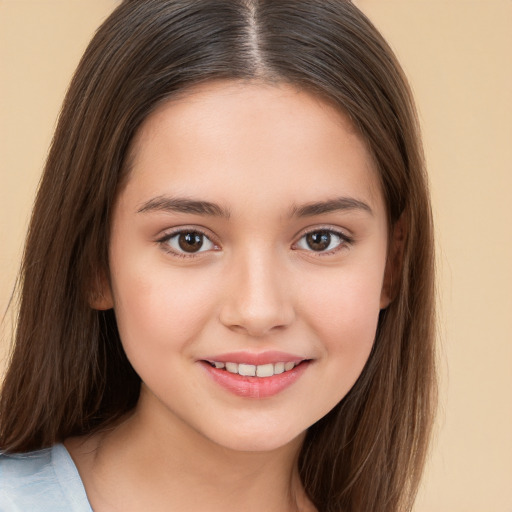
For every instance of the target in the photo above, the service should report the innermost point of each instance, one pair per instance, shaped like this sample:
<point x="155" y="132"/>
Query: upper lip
<point x="255" y="358"/>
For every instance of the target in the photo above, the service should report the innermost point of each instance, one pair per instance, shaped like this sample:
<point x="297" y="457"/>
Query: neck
<point x="149" y="463"/>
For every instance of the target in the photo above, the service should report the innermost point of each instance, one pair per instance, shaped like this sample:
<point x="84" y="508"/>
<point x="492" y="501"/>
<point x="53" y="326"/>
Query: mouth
<point x="252" y="370"/>
<point x="247" y="380"/>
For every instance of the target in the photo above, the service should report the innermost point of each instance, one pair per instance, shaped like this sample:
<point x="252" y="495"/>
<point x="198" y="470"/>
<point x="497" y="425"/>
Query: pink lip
<point x="268" y="357"/>
<point x="255" y="387"/>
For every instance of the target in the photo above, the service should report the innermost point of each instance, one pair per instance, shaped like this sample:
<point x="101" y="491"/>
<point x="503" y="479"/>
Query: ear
<point x="394" y="262"/>
<point x="101" y="297"/>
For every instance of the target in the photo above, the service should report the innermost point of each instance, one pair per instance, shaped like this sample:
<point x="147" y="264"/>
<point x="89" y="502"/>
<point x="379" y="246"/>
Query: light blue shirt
<point x="41" y="481"/>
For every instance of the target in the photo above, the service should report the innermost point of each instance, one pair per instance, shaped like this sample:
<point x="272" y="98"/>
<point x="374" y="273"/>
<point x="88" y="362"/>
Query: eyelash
<point x="164" y="242"/>
<point x="344" y="241"/>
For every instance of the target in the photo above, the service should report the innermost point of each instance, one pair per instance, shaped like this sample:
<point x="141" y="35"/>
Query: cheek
<point x="343" y="315"/>
<point x="161" y="309"/>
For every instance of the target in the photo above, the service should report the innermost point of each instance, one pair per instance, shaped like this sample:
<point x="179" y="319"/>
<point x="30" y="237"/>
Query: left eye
<point x="322" y="240"/>
<point x="189" y="242"/>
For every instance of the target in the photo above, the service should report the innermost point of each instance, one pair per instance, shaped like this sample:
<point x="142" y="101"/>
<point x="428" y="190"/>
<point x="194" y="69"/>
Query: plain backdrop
<point x="457" y="54"/>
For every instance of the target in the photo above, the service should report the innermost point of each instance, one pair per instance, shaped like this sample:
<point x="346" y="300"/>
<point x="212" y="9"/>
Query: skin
<point x="262" y="154"/>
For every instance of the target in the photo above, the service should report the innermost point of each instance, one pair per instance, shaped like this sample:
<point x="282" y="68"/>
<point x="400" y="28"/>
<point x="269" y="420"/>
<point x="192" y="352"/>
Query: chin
<point x="258" y="439"/>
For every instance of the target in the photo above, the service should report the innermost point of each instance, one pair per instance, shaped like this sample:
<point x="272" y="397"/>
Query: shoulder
<point x="41" y="481"/>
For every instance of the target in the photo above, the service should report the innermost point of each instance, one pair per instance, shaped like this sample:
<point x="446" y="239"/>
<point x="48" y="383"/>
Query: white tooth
<point x="288" y="366"/>
<point x="232" y="367"/>
<point x="278" y="368"/>
<point x="247" y="370"/>
<point x="218" y="365"/>
<point x="265" y="370"/>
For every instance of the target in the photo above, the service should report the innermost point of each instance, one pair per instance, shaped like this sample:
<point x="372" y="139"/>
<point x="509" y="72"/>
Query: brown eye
<point x="187" y="242"/>
<point x="322" y="240"/>
<point x="190" y="242"/>
<point x="318" y="240"/>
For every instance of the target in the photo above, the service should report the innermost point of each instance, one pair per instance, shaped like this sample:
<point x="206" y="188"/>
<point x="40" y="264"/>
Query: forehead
<point x="253" y="138"/>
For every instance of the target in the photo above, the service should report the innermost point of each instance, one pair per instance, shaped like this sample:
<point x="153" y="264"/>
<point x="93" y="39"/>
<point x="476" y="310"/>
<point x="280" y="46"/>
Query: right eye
<point x="187" y="242"/>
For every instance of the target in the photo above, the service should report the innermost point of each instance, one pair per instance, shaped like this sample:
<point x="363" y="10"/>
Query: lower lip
<point x="255" y="387"/>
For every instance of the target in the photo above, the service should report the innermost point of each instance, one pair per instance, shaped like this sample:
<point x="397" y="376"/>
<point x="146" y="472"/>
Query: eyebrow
<point x="332" y="205"/>
<point x="183" y="205"/>
<point x="198" y="207"/>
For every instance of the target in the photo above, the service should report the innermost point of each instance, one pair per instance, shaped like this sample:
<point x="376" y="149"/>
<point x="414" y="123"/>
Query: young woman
<point x="227" y="288"/>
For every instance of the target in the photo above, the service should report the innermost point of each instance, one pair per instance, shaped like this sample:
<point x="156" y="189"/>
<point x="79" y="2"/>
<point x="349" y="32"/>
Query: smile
<point x="252" y="370"/>
<point x="262" y="380"/>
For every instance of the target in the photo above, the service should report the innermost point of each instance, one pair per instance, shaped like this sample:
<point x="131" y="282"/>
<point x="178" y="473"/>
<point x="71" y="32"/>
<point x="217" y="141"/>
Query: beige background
<point x="457" y="54"/>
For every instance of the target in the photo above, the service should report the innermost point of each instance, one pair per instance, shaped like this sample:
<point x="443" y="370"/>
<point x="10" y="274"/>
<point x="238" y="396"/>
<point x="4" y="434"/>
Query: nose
<point x="258" y="299"/>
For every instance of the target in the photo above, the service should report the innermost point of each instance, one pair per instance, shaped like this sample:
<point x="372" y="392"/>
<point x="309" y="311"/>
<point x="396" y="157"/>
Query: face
<point x="248" y="261"/>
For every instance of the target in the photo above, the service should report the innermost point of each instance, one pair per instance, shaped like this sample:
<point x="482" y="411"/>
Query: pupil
<point x="319" y="240"/>
<point x="190" y="242"/>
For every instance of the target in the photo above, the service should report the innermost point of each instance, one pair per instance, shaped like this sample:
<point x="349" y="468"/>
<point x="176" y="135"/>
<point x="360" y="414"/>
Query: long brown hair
<point x="68" y="374"/>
